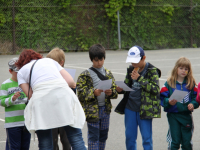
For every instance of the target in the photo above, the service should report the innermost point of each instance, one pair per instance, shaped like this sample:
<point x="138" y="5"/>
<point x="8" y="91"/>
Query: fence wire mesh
<point x="42" y="25"/>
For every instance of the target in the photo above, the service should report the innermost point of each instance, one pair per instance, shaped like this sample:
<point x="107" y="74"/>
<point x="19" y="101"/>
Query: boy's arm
<point x="151" y="86"/>
<point x="5" y="99"/>
<point x="84" y="92"/>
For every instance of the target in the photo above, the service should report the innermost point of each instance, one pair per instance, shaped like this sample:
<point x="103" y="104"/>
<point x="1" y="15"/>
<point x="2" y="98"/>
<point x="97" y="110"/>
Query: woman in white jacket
<point x="52" y="103"/>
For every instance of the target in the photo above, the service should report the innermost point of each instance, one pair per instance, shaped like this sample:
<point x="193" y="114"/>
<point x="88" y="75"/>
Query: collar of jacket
<point x="184" y="81"/>
<point x="150" y="67"/>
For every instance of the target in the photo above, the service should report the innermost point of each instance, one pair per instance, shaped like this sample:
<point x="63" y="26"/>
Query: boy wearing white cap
<point x="142" y="104"/>
<point x="13" y="99"/>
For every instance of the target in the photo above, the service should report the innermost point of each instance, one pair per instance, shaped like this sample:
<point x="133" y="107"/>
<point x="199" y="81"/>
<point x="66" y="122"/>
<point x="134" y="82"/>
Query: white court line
<point x="112" y="72"/>
<point x="2" y="120"/>
<point x="147" y="59"/>
<point x="196" y="65"/>
<point x="76" y="67"/>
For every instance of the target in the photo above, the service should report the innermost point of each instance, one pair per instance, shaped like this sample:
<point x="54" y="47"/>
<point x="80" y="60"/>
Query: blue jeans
<point x="17" y="139"/>
<point x="132" y="121"/>
<point x="74" y="136"/>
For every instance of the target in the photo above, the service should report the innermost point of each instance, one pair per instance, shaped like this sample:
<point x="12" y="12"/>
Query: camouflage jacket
<point x="150" y="94"/>
<point x="88" y="100"/>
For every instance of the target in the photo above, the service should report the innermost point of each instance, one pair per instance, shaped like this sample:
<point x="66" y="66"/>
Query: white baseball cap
<point x="135" y="54"/>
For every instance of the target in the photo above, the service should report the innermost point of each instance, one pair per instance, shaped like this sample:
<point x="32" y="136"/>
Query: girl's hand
<point x="190" y="107"/>
<point x="135" y="75"/>
<point x="108" y="92"/>
<point x="119" y="89"/>
<point x="172" y="102"/>
<point x="97" y="92"/>
<point x="15" y="96"/>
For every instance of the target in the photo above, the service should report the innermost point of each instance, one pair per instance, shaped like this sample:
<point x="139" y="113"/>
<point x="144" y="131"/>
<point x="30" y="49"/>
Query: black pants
<point x="63" y="138"/>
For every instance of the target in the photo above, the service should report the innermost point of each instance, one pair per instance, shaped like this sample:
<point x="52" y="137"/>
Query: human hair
<point x="182" y="62"/>
<point x="57" y="54"/>
<point x="26" y="56"/>
<point x="97" y="51"/>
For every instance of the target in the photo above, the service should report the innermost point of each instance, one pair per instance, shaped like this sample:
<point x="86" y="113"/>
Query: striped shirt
<point x="14" y="111"/>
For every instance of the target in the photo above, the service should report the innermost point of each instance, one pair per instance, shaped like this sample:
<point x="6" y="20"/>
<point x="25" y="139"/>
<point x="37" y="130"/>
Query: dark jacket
<point x="150" y="95"/>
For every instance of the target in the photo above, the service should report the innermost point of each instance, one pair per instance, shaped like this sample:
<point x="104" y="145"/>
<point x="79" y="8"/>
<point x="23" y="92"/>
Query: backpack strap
<point x="101" y="76"/>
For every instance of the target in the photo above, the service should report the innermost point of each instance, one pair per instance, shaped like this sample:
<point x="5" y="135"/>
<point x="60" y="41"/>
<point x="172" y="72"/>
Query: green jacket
<point x="88" y="100"/>
<point x="150" y="95"/>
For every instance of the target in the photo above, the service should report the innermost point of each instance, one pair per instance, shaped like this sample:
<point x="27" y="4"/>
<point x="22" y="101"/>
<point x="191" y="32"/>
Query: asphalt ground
<point x="115" y="61"/>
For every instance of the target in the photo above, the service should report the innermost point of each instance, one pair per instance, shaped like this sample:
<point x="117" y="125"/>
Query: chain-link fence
<point x="161" y="24"/>
<point x="42" y="25"/>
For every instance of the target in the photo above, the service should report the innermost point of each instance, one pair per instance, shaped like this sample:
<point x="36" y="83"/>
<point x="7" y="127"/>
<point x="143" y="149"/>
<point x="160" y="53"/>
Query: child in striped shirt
<point x="13" y="99"/>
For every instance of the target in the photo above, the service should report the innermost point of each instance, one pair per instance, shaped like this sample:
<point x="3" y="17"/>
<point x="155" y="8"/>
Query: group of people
<point x="40" y="97"/>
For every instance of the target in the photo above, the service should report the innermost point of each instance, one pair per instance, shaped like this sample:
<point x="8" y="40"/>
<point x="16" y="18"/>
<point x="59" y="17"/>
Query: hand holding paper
<point x="122" y="85"/>
<point x="178" y="95"/>
<point x="172" y="102"/>
<point x="105" y="84"/>
<point x="97" y="92"/>
<point x="108" y="92"/>
<point x="119" y="89"/>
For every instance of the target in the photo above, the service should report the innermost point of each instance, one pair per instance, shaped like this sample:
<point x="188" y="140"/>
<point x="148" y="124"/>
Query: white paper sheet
<point x="72" y="72"/>
<point x="178" y="95"/>
<point x="122" y="85"/>
<point x="105" y="84"/>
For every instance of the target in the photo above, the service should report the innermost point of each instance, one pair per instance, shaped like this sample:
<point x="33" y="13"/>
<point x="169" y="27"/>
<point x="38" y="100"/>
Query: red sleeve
<point x="163" y="89"/>
<point x="195" y="89"/>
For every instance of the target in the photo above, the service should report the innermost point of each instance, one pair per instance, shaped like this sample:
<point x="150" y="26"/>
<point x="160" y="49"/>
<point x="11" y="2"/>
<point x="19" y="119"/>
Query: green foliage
<point x="2" y="19"/>
<point x="116" y="5"/>
<point x="63" y="3"/>
<point x="164" y="24"/>
<point x="78" y="24"/>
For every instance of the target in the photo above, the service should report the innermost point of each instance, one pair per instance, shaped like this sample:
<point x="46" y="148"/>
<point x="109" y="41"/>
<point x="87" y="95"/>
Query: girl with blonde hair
<point x="179" y="114"/>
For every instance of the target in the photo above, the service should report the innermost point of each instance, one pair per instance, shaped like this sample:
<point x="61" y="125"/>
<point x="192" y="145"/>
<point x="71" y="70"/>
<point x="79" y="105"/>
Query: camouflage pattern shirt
<point x="88" y="100"/>
<point x="150" y="94"/>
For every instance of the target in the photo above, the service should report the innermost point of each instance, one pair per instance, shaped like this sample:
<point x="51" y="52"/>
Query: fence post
<point x="191" y="29"/>
<point x="118" y="25"/>
<point x="13" y="26"/>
